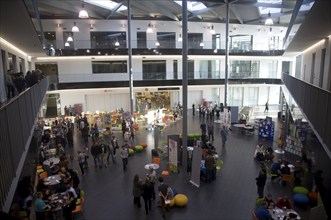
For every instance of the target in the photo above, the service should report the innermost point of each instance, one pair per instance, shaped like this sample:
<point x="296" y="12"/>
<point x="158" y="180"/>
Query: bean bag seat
<point x="313" y="197"/>
<point x="40" y="171"/>
<point x="181" y="200"/>
<point x="174" y="191"/>
<point x="132" y="147"/>
<point x="172" y="202"/>
<point x="300" y="190"/>
<point x="143" y="145"/>
<point x="300" y="199"/>
<point x="191" y="135"/>
<point x="139" y="148"/>
<point x="131" y="152"/>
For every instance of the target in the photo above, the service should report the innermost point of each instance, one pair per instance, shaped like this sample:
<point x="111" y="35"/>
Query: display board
<point x="173" y="155"/>
<point x="196" y="162"/>
<point x="267" y="128"/>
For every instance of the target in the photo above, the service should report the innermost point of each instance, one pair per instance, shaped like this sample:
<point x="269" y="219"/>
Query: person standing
<point x="39" y="207"/>
<point x="224" y="135"/>
<point x="260" y="182"/>
<point x="266" y="106"/>
<point x="125" y="155"/>
<point x="81" y="161"/>
<point x="137" y="190"/>
<point x="163" y="192"/>
<point x="210" y="128"/>
<point x="193" y="109"/>
<point x="10" y="85"/>
<point x="114" y="143"/>
<point x="96" y="152"/>
<point x="147" y="193"/>
<point x="151" y="176"/>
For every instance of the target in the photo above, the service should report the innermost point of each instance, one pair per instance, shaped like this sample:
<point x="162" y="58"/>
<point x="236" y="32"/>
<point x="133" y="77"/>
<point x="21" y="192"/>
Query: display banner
<point x="173" y="157"/>
<point x="196" y="163"/>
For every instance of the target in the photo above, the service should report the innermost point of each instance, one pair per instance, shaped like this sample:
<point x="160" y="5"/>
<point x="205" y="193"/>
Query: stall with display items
<point x="267" y="128"/>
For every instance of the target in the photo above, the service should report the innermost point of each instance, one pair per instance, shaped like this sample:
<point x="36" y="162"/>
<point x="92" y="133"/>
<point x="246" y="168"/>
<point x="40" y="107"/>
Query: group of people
<point x="17" y="82"/>
<point x="208" y="129"/>
<point x="146" y="190"/>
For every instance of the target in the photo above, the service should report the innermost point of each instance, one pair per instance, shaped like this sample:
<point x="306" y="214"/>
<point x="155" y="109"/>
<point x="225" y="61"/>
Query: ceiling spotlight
<point x="212" y="31"/>
<point x="202" y="44"/>
<point x="75" y="28"/>
<point x="58" y="25"/>
<point x="83" y="13"/>
<point x="117" y="44"/>
<point x="149" y="29"/>
<point x="70" y="39"/>
<point x="157" y="44"/>
<point x="269" y="21"/>
<point x="215" y="50"/>
<point x="180" y="39"/>
<point x="67" y="44"/>
<point x="87" y="51"/>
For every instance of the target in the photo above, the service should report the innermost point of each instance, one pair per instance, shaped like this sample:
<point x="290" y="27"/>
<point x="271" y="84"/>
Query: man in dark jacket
<point x="260" y="182"/>
<point x="96" y="152"/>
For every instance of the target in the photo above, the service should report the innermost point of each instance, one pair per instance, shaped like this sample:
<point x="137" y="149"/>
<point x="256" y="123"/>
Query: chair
<point x="156" y="160"/>
<point x="287" y="178"/>
<point x="43" y="175"/>
<point x="219" y="165"/>
<point x="259" y="202"/>
<point x="79" y="208"/>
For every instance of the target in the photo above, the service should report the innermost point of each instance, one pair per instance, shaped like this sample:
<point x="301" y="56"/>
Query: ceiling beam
<point x="293" y="18"/>
<point x="162" y="10"/>
<point x="274" y="15"/>
<point x="236" y="14"/>
<point x="289" y="5"/>
<point x="115" y="9"/>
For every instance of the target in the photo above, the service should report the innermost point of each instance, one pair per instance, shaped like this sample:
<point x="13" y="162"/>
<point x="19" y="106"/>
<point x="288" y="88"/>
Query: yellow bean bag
<point x="181" y="200"/>
<point x="172" y="202"/>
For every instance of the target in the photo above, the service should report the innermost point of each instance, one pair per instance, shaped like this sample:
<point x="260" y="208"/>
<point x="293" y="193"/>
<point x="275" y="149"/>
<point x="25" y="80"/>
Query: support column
<point x="226" y="54"/>
<point x="130" y="59"/>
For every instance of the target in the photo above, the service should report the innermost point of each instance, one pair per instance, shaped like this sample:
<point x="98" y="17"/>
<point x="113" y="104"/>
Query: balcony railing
<point x="17" y="120"/>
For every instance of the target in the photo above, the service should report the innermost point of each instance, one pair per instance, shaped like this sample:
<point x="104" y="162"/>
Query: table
<point x="278" y="214"/>
<point x="239" y="127"/>
<point x="291" y="166"/>
<point x="52" y="180"/>
<point x="55" y="160"/>
<point x="154" y="165"/>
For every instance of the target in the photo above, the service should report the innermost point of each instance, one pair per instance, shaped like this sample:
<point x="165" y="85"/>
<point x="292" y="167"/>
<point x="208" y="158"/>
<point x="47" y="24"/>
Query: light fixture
<point x="157" y="44"/>
<point x="58" y="25"/>
<point x="180" y="39"/>
<point x="269" y="21"/>
<point x="215" y="50"/>
<point x="67" y="44"/>
<point x="83" y="13"/>
<point x="91" y="26"/>
<point x="117" y="44"/>
<point x="149" y="29"/>
<point x="70" y="39"/>
<point x="202" y="44"/>
<point x="212" y="31"/>
<point x="75" y="28"/>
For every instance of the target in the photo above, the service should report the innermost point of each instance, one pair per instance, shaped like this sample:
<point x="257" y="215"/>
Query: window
<point x="241" y="42"/>
<point x="141" y="39"/>
<point x="154" y="69"/>
<point x="21" y="62"/>
<point x="119" y="66"/>
<point x="68" y="44"/>
<point x="50" y="38"/>
<point x="273" y="43"/>
<point x="104" y="40"/>
<point x="272" y="67"/>
<point x="216" y="41"/>
<point x="194" y="40"/>
<point x="175" y="66"/>
<point x="166" y="39"/>
<point x="235" y="96"/>
<point x="244" y="69"/>
<point x="190" y="68"/>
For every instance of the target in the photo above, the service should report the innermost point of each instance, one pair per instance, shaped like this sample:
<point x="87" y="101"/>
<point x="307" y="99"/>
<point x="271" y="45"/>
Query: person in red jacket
<point x="284" y="202"/>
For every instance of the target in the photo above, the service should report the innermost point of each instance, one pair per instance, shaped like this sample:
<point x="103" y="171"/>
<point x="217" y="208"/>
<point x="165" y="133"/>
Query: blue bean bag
<point x="300" y="190"/>
<point x="174" y="191"/>
<point x="300" y="199"/>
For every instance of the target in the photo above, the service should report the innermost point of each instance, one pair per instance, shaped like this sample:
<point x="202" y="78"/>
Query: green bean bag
<point x="139" y="148"/>
<point x="131" y="152"/>
<point x="300" y="190"/>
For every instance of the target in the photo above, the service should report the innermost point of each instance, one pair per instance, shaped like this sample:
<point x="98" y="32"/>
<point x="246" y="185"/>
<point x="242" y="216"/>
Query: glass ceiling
<point x="265" y="10"/>
<point x="106" y="4"/>
<point x="193" y="6"/>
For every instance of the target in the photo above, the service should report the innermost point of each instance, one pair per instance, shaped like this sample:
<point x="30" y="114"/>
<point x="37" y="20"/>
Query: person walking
<point x="224" y="135"/>
<point x="210" y="129"/>
<point x="260" y="182"/>
<point x="193" y="109"/>
<point x="163" y="192"/>
<point x="151" y="176"/>
<point x="266" y="106"/>
<point x="147" y="193"/>
<point x="96" y="152"/>
<point x="125" y="155"/>
<point x="137" y="190"/>
<point x="81" y="161"/>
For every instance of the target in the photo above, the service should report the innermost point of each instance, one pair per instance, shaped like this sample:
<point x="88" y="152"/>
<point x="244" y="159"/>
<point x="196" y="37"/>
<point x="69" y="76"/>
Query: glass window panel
<point x="272" y="69"/>
<point x="235" y="96"/>
<point x="141" y="39"/>
<point x="244" y="69"/>
<point x="194" y="40"/>
<point x="190" y="68"/>
<point x="154" y="69"/>
<point x="119" y="66"/>
<point x="175" y="66"/>
<point x="251" y="98"/>
<point x="241" y="42"/>
<point x="104" y="40"/>
<point x="216" y="41"/>
<point x="50" y="38"/>
<point x="166" y="39"/>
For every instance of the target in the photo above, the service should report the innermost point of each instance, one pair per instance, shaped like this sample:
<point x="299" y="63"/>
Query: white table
<point x="153" y="165"/>
<point x="278" y="213"/>
<point x="55" y="160"/>
<point x="52" y="180"/>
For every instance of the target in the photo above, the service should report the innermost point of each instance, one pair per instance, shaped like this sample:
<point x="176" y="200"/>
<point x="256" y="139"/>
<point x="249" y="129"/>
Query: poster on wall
<point x="173" y="155"/>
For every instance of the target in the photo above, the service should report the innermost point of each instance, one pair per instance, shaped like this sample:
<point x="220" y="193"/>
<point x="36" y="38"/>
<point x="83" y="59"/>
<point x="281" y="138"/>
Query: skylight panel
<point x="265" y="10"/>
<point x="306" y="7"/>
<point x="110" y="5"/>
<point x="193" y="6"/>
